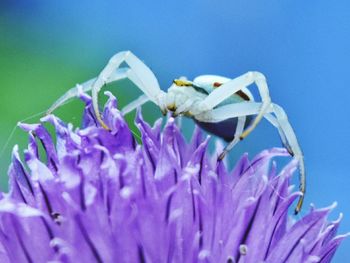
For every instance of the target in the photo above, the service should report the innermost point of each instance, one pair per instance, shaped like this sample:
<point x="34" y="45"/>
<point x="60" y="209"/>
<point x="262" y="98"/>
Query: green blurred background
<point x="35" y="70"/>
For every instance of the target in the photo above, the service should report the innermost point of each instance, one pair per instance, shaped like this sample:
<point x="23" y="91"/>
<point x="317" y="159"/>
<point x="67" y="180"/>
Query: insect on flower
<point x="222" y="106"/>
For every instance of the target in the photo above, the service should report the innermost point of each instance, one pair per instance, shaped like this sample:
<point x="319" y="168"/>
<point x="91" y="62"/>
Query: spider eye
<point x="182" y="83"/>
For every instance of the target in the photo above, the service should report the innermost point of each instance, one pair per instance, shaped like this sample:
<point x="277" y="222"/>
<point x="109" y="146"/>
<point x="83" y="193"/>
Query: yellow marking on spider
<point x="105" y="126"/>
<point x="102" y="123"/>
<point x="172" y="107"/>
<point x="182" y="83"/>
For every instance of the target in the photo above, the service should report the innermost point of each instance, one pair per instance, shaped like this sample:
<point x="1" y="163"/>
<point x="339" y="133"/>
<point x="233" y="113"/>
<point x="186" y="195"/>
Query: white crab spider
<point x="219" y="105"/>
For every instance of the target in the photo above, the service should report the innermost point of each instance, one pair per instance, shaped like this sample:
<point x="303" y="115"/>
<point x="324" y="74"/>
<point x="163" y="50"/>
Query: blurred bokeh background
<point x="302" y="47"/>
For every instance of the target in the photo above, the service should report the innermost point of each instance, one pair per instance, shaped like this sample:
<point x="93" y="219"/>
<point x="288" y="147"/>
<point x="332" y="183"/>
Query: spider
<point x="219" y="105"/>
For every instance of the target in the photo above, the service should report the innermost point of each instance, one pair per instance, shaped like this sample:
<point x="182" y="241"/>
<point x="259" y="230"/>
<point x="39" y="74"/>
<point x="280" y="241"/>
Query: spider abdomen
<point x="224" y="129"/>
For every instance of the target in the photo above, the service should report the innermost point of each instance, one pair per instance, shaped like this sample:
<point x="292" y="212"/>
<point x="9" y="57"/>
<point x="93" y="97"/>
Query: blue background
<point x="301" y="46"/>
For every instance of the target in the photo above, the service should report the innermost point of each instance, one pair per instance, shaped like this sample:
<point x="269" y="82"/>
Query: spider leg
<point x="272" y="119"/>
<point x="139" y="73"/>
<point x="241" y="109"/>
<point x="179" y="121"/>
<point x="280" y="121"/>
<point x="229" y="88"/>
<point x="238" y="132"/>
<point x="294" y="148"/>
<point x="135" y="104"/>
<point x="85" y="87"/>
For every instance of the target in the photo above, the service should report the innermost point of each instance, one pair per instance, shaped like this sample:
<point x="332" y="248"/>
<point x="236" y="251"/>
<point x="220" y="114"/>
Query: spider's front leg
<point x="280" y="121"/>
<point x="74" y="92"/>
<point x="137" y="72"/>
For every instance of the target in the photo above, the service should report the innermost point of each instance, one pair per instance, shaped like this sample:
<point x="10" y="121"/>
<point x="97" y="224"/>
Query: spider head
<point x="182" y="96"/>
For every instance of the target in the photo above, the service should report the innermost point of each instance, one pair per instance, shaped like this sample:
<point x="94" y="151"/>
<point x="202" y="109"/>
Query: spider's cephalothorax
<point x="222" y="106"/>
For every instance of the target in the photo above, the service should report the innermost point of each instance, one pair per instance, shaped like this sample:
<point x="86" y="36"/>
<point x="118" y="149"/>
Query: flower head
<point x="98" y="196"/>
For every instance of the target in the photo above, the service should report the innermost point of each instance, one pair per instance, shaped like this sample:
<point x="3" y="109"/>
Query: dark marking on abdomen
<point x="225" y="129"/>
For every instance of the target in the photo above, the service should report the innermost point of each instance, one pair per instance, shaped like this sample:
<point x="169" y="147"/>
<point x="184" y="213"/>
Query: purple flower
<point x="98" y="196"/>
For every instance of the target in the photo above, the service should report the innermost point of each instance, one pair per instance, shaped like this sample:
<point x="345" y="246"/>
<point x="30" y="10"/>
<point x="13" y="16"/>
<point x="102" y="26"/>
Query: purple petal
<point x="101" y="197"/>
